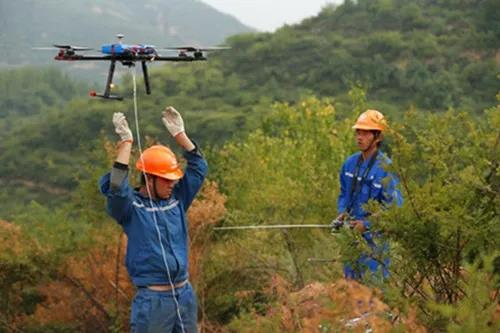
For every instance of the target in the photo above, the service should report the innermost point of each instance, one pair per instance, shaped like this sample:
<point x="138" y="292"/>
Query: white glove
<point x="121" y="127"/>
<point x="173" y="121"/>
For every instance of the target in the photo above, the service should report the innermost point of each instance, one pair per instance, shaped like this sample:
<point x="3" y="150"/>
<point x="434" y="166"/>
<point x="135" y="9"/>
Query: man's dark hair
<point x="377" y="134"/>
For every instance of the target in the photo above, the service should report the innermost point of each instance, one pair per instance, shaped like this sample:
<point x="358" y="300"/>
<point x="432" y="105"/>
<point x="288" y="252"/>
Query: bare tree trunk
<point x="93" y="300"/>
<point x="299" y="281"/>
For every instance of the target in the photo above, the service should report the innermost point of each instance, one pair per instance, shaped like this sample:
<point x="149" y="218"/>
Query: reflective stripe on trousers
<point x="156" y="312"/>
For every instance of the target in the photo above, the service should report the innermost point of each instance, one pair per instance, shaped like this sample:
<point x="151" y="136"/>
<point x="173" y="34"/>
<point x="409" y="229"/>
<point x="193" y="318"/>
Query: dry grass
<point x="344" y="306"/>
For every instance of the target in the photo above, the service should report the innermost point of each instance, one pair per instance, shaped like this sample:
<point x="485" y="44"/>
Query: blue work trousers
<point x="376" y="264"/>
<point x="376" y="270"/>
<point x="156" y="311"/>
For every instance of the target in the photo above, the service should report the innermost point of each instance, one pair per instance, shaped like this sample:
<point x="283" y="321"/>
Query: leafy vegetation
<point x="443" y="238"/>
<point x="425" y="54"/>
<point x="275" y="151"/>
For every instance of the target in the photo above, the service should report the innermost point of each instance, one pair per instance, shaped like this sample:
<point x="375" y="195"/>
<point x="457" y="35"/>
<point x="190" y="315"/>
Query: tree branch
<point x="77" y="284"/>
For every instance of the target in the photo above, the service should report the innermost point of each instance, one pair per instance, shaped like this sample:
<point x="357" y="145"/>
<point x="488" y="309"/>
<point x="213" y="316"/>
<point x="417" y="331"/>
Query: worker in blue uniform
<point x="154" y="218"/>
<point x="363" y="178"/>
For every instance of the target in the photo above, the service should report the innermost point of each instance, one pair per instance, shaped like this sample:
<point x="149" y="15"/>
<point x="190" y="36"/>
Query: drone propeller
<point x="72" y="47"/>
<point x="44" y="48"/>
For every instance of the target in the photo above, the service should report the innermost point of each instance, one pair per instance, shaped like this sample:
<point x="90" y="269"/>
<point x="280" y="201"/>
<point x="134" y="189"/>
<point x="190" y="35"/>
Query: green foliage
<point x="286" y="172"/>
<point x="392" y="55"/>
<point x="448" y="169"/>
<point x="449" y="173"/>
<point x="277" y="175"/>
<point x="428" y="54"/>
<point x="476" y="312"/>
<point x="248" y="322"/>
<point x="280" y="161"/>
<point x="29" y="91"/>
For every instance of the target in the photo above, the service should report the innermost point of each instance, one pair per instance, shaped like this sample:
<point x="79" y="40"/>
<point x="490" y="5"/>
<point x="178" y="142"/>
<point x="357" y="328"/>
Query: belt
<point x="167" y="287"/>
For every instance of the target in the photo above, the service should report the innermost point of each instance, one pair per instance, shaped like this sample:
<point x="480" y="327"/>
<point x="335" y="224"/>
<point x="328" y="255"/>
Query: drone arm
<point x="78" y="57"/>
<point x="186" y="58"/>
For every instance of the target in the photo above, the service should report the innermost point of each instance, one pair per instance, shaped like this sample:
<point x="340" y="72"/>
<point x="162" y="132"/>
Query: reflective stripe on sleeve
<point x="156" y="209"/>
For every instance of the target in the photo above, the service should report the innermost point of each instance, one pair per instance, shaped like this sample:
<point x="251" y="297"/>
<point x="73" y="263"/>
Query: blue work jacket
<point x="135" y="214"/>
<point x="378" y="185"/>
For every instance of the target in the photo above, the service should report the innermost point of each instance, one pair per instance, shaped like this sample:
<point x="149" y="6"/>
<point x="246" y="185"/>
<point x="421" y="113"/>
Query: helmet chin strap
<point x="152" y="188"/>
<point x="375" y="137"/>
<point x="155" y="192"/>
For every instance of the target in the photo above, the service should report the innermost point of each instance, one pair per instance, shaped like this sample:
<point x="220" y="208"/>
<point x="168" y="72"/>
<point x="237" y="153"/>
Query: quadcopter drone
<point x="128" y="55"/>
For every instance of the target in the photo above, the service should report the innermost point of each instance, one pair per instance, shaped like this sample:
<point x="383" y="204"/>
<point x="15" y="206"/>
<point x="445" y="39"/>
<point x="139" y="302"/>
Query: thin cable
<point x="274" y="226"/>
<point x="177" y="306"/>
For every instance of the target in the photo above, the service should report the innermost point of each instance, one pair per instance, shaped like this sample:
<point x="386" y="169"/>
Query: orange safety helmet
<point x="160" y="161"/>
<point x="371" y="120"/>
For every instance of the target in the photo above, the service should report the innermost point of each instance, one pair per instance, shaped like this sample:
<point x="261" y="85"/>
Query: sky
<point x="267" y="15"/>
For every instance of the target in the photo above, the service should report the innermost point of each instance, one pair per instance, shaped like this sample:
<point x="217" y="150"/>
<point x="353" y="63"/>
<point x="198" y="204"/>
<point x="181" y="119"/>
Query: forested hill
<point x="272" y="163"/>
<point x="430" y="53"/>
<point x="427" y="54"/>
<point x="28" y="23"/>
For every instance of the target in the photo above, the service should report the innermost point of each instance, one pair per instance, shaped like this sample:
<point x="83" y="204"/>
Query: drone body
<point x="123" y="49"/>
<point x="128" y="55"/>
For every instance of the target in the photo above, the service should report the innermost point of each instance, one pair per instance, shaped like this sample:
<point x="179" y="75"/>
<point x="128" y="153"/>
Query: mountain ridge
<point x="28" y="23"/>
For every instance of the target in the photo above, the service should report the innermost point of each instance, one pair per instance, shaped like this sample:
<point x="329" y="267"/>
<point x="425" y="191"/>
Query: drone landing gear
<point x="109" y="81"/>
<point x="110" y="78"/>
<point x="114" y="97"/>
<point x="146" y="77"/>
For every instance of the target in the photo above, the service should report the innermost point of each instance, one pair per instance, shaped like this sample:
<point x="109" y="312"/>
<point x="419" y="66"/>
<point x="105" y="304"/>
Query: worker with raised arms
<point x="153" y="217"/>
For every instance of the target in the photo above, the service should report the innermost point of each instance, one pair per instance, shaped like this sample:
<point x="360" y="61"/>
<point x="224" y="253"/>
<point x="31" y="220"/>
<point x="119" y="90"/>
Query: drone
<point x="128" y="55"/>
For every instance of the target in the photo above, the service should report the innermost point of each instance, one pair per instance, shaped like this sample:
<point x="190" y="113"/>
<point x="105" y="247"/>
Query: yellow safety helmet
<point x="371" y="120"/>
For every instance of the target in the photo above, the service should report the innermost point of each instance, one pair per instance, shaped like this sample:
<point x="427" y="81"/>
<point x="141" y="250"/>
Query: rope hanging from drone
<point x="151" y="202"/>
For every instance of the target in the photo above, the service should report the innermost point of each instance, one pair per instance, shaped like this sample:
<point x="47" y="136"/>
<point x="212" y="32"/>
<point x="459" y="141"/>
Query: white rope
<point x="172" y="286"/>
<point x="274" y="226"/>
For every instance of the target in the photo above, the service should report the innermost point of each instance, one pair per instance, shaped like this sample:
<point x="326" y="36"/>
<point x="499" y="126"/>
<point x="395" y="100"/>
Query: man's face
<point x="164" y="187"/>
<point x="364" y="139"/>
